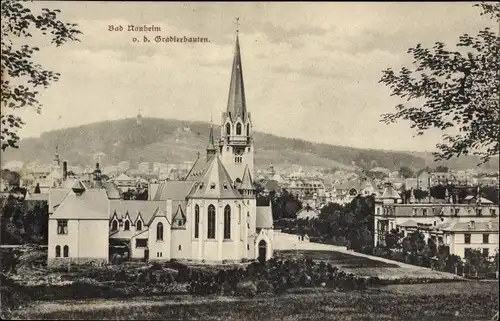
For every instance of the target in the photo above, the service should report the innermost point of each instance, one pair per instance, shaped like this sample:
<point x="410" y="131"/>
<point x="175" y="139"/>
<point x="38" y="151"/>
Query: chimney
<point x="65" y="170"/>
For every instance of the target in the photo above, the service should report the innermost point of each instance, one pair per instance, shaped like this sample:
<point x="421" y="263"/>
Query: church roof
<point x="211" y="140"/>
<point x="246" y="182"/>
<point x="236" y="103"/>
<point x="264" y="217"/>
<point x="112" y="190"/>
<point x="91" y="204"/>
<point x="174" y="190"/>
<point x="215" y="183"/>
<point x="199" y="168"/>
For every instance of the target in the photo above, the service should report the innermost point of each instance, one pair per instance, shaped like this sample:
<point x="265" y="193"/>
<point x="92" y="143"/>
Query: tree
<point x="406" y="172"/>
<point x="442" y="169"/>
<point x="459" y="91"/>
<point x="21" y="77"/>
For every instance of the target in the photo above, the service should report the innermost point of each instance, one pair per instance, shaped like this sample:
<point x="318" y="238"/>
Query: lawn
<point x="366" y="267"/>
<point x="342" y="260"/>
<point x="451" y="301"/>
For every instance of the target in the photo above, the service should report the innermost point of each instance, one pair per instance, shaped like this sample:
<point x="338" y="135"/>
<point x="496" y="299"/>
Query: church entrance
<point x="262" y="251"/>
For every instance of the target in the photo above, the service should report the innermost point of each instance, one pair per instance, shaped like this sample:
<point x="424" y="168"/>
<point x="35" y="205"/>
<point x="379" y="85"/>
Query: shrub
<point x="246" y="288"/>
<point x="263" y="286"/>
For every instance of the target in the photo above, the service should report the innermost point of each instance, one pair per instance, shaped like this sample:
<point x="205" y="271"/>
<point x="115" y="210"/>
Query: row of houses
<point x="470" y="225"/>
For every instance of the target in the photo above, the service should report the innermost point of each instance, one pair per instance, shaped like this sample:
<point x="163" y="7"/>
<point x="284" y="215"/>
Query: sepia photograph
<point x="249" y="161"/>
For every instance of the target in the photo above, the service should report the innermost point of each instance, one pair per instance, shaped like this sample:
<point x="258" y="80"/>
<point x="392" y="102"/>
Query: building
<point x="124" y="182"/>
<point x="458" y="226"/>
<point x="210" y="216"/>
<point x="123" y="166"/>
<point x="143" y="167"/>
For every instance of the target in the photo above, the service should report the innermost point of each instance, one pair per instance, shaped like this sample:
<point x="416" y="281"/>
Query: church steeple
<point x="236" y="103"/>
<point x="211" y="149"/>
<point x="57" y="160"/>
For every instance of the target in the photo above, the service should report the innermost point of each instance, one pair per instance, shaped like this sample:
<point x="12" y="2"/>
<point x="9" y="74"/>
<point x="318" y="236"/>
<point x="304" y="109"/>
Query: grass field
<point x="466" y="301"/>
<point x="363" y="266"/>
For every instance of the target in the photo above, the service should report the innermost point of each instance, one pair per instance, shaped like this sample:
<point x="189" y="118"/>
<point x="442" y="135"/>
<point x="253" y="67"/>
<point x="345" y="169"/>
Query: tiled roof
<point x="264" y="217"/>
<point x="91" y="204"/>
<point x="215" y="183"/>
<point x="174" y="190"/>
<point x="198" y="169"/>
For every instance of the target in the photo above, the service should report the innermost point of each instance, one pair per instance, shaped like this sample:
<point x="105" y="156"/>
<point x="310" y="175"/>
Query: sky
<point x="311" y="70"/>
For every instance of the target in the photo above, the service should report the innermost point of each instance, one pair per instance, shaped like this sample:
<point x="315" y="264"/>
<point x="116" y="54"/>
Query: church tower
<point x="211" y="149"/>
<point x="236" y="143"/>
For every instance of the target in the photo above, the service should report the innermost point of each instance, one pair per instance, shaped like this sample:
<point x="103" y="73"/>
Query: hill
<point x="175" y="141"/>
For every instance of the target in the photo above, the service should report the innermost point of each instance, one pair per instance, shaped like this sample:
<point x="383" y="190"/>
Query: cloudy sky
<point x="311" y="69"/>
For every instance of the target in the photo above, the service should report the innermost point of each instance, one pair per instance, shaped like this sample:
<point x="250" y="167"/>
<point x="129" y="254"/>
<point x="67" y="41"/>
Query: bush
<point x="263" y="286"/>
<point x="246" y="288"/>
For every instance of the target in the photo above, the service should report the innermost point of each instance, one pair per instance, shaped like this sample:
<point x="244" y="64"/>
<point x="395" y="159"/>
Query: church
<point x="210" y="216"/>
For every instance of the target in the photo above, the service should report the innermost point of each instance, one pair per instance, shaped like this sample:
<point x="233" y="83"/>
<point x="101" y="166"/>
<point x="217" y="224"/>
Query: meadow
<point x="301" y="289"/>
<point x="465" y="301"/>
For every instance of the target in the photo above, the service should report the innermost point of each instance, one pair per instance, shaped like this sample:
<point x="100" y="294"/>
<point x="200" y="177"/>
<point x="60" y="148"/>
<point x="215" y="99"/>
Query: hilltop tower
<point x="236" y="142"/>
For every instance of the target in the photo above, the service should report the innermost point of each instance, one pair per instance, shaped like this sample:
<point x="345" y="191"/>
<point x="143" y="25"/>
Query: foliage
<point x="11" y="177"/>
<point x="284" y="205"/>
<point x="24" y="222"/>
<point x="406" y="172"/>
<point x="442" y="169"/>
<point x="459" y="91"/>
<point x="21" y="76"/>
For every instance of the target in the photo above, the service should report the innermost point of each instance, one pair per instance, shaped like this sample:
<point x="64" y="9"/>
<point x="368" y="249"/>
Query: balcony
<point x="239" y="140"/>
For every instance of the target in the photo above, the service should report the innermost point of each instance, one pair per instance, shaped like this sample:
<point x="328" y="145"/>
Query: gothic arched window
<point x="114" y="226"/>
<point x="248" y="130"/>
<point x="228" y="129"/>
<point x="127" y="225"/>
<point x="211" y="222"/>
<point x="58" y="251"/>
<point x="138" y="226"/>
<point x="196" y="221"/>
<point x="159" y="231"/>
<point x="66" y="251"/>
<point x="238" y="129"/>
<point x="227" y="222"/>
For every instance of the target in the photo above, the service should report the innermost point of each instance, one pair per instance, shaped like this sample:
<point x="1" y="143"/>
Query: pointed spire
<point x="236" y="104"/>
<point x="247" y="182"/>
<point x="211" y="150"/>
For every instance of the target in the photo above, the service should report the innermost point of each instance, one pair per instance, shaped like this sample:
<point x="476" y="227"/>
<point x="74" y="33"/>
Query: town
<point x="197" y="223"/>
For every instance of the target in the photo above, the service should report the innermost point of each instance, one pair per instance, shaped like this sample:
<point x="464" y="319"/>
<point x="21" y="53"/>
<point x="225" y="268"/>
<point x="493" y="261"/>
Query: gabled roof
<point x="247" y="182"/>
<point x="55" y="174"/>
<point x="174" y="190"/>
<point x="236" y="103"/>
<point x="133" y="207"/>
<point x="409" y="223"/>
<point x="264" y="217"/>
<point x="91" y="204"/>
<point x="215" y="183"/>
<point x="123" y="177"/>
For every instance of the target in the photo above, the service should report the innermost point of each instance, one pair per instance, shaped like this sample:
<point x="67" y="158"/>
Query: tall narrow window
<point x="196" y="221"/>
<point x="228" y="129"/>
<point x="114" y="226"/>
<point x="227" y="222"/>
<point x="62" y="226"/>
<point x="127" y="225"/>
<point x="211" y="222"/>
<point x="66" y="251"/>
<point x="248" y="130"/>
<point x="159" y="231"/>
<point x="138" y="225"/>
<point x="58" y="251"/>
<point x="467" y="238"/>
<point x="238" y="129"/>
